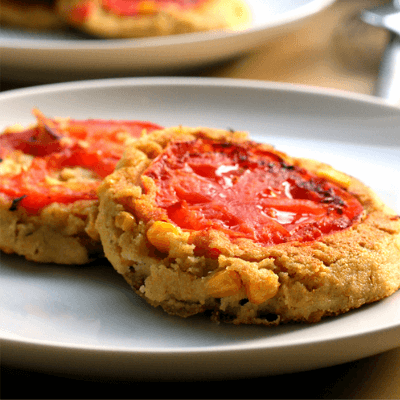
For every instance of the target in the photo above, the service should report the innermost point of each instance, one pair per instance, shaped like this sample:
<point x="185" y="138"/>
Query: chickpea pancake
<point x="49" y="174"/>
<point x="146" y="18"/>
<point x="200" y="220"/>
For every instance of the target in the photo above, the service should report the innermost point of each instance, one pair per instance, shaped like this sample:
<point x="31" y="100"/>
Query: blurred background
<point x="332" y="49"/>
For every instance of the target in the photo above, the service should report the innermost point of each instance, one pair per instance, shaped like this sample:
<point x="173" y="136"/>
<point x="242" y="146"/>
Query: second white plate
<point x="53" y="57"/>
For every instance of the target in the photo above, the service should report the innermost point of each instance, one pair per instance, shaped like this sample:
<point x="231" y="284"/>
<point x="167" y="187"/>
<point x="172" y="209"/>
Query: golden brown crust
<point x="213" y="14"/>
<point x="62" y="234"/>
<point x="30" y="15"/>
<point x="247" y="283"/>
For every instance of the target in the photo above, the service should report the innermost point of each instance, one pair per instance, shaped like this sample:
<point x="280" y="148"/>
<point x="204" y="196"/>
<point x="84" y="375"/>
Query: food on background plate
<point x="205" y="221"/>
<point x="144" y="18"/>
<point x="30" y="14"/>
<point x="126" y="18"/>
<point x="49" y="174"/>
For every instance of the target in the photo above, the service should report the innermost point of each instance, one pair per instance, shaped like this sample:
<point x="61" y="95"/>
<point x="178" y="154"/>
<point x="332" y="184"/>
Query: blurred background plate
<point x="52" y="57"/>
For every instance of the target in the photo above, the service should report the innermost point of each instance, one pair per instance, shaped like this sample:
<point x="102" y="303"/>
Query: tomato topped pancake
<point x="49" y="174"/>
<point x="205" y="220"/>
<point x="143" y="18"/>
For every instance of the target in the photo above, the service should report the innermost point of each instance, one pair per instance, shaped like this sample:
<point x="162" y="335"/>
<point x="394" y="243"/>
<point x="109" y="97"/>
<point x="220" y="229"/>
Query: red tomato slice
<point x="247" y="192"/>
<point x="136" y="7"/>
<point x="96" y="145"/>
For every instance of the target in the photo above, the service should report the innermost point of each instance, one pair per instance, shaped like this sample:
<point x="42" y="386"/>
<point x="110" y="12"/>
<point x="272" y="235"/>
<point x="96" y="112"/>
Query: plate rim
<point x="203" y="82"/>
<point x="242" y="347"/>
<point x="199" y="81"/>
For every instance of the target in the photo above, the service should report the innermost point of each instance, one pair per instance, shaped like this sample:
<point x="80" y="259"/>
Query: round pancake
<point x="145" y="18"/>
<point x="201" y="220"/>
<point x="49" y="174"/>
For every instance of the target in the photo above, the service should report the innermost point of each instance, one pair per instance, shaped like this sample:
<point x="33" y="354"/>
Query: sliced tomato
<point x="95" y="145"/>
<point x="136" y="7"/>
<point x="247" y="192"/>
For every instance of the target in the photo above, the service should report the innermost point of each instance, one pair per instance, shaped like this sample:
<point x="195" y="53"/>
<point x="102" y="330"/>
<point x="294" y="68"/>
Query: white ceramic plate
<point x="86" y="321"/>
<point x="52" y="57"/>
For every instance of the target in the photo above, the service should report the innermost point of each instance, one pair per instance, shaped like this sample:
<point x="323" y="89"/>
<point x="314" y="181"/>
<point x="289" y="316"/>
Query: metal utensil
<point x="388" y="17"/>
